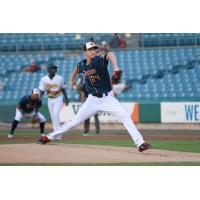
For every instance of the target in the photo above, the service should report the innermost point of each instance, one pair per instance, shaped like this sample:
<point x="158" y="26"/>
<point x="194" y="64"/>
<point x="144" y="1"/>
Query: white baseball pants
<point x="54" y="106"/>
<point x="19" y="116"/>
<point x="93" y="105"/>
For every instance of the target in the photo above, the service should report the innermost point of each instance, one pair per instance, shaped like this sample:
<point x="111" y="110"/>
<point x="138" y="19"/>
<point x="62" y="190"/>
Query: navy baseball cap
<point x="89" y="45"/>
<point x="51" y="65"/>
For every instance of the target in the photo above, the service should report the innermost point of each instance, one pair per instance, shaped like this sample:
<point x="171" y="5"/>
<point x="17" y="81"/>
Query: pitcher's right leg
<point x="112" y="105"/>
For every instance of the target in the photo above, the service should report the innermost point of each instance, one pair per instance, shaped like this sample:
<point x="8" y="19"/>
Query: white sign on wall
<point x="180" y="112"/>
<point x="68" y="112"/>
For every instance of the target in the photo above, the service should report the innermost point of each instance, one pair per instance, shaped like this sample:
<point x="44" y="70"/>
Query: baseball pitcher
<point x="100" y="98"/>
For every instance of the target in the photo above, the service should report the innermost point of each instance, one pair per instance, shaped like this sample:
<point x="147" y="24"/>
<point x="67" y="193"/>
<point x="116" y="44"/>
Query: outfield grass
<point x="184" y="146"/>
<point x="34" y="132"/>
<point x="21" y="133"/>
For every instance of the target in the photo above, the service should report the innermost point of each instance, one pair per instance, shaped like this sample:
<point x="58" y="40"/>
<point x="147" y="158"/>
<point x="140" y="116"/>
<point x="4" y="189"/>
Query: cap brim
<point x="52" y="67"/>
<point x="94" y="47"/>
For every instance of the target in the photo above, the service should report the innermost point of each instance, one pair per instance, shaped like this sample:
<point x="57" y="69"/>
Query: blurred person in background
<point x="34" y="67"/>
<point x="104" y="48"/>
<point x="117" y="41"/>
<point x="54" y="85"/>
<point x="119" y="88"/>
<point x="28" y="107"/>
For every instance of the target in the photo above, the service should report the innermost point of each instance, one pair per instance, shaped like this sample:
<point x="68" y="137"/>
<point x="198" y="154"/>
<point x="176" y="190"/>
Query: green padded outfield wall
<point x="149" y="113"/>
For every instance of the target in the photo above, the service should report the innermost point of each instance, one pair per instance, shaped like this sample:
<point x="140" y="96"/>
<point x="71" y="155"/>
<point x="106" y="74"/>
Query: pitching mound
<point x="75" y="154"/>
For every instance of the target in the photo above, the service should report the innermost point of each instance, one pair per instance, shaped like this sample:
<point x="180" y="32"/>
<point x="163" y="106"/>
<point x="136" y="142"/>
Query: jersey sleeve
<point x="23" y="102"/>
<point x="105" y="61"/>
<point x="80" y="67"/>
<point x="42" y="85"/>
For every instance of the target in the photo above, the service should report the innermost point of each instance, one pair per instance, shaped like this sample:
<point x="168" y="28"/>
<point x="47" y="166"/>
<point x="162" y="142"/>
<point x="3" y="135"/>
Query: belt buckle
<point x="104" y="94"/>
<point x="100" y="95"/>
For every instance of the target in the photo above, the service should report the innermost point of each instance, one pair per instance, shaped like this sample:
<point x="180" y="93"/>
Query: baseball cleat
<point x="10" y="136"/>
<point x="145" y="146"/>
<point x="42" y="134"/>
<point x="44" y="140"/>
<point x="85" y="134"/>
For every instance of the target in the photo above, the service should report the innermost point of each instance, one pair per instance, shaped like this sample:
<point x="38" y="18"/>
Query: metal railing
<point x="77" y="45"/>
<point x="164" y="42"/>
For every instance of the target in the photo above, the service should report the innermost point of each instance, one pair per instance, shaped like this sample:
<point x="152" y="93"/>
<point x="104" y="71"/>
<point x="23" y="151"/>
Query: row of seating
<point x="47" y="41"/>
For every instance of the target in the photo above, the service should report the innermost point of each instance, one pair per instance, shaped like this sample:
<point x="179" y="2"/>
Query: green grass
<point x="21" y="133"/>
<point x="185" y="146"/>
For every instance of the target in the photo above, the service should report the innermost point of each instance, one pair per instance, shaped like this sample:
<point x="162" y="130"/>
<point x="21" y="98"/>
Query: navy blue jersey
<point x="97" y="79"/>
<point x="28" y="105"/>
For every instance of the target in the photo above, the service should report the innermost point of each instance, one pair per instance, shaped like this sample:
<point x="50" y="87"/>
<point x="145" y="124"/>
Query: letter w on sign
<point x="75" y="108"/>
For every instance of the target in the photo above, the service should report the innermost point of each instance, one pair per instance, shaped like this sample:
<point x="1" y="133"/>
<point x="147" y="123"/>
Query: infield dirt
<point x="86" y="154"/>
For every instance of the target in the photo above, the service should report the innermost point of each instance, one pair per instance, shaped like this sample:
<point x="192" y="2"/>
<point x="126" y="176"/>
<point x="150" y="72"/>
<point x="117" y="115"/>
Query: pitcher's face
<point x="91" y="53"/>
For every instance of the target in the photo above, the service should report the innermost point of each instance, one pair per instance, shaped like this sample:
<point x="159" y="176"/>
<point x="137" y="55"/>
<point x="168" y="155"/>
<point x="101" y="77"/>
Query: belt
<point x="53" y="97"/>
<point x="100" y="95"/>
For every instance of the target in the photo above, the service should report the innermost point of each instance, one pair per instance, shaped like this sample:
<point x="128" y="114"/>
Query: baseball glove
<point x="116" y="77"/>
<point x="35" y="119"/>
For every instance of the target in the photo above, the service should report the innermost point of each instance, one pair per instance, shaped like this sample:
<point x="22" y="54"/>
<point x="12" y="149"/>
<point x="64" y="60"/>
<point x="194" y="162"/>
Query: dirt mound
<point x="75" y="154"/>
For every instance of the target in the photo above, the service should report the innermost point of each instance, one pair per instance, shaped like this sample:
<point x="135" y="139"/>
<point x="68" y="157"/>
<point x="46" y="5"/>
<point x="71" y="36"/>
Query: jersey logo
<point x="90" y="72"/>
<point x="92" y="75"/>
<point x="50" y="86"/>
